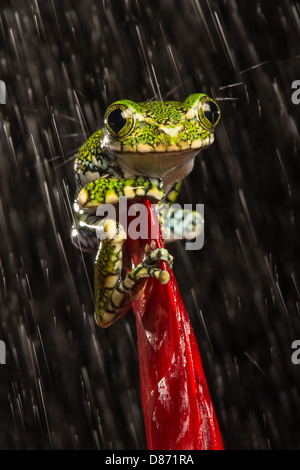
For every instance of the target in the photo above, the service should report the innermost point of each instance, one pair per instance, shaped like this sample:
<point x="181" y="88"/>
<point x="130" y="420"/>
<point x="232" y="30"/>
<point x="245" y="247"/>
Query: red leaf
<point x="177" y="406"/>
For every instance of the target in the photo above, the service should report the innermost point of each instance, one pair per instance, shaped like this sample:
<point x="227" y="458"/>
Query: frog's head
<point x="158" y="138"/>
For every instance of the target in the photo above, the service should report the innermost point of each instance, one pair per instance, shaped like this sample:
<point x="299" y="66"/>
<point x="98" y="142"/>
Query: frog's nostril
<point x="171" y="131"/>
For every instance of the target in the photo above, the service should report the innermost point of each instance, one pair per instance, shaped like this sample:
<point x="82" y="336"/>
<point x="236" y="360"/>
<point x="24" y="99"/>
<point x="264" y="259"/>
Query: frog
<point x="144" y="150"/>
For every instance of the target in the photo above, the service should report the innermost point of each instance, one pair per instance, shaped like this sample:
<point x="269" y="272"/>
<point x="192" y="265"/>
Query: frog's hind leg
<point x="114" y="296"/>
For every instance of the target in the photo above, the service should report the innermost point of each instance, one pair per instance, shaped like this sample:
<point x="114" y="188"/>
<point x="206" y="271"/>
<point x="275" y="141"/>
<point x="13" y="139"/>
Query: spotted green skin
<point x="161" y="138"/>
<point x="151" y="120"/>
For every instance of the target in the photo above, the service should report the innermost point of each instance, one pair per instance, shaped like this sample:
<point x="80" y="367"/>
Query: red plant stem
<point x="178" y="410"/>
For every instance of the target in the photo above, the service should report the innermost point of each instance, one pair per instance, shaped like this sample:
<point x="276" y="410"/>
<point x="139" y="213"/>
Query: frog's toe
<point x="163" y="277"/>
<point x="160" y="254"/>
<point x="111" y="230"/>
<point x="153" y="245"/>
<point x="150" y="247"/>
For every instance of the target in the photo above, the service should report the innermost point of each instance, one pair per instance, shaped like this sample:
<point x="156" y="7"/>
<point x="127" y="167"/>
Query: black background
<point x="68" y="384"/>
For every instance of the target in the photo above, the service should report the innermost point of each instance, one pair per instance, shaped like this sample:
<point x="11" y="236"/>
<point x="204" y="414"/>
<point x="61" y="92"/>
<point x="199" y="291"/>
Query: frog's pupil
<point x="116" y="120"/>
<point x="211" y="112"/>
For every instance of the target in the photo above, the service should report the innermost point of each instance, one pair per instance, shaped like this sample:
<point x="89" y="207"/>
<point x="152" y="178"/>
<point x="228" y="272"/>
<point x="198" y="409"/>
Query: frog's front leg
<point x="109" y="190"/>
<point x="114" y="296"/>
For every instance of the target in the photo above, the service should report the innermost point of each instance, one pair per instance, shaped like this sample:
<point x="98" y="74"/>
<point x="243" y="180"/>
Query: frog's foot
<point x="150" y="266"/>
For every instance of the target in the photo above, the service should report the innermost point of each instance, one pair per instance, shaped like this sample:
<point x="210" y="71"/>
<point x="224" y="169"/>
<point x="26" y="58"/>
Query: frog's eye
<point x="118" y="120"/>
<point x="209" y="113"/>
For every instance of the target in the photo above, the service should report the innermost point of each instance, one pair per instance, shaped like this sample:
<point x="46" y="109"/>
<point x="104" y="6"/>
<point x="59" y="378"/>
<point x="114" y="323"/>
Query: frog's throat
<point x="170" y="166"/>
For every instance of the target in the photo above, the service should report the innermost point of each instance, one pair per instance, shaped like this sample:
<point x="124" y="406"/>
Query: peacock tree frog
<point x="144" y="150"/>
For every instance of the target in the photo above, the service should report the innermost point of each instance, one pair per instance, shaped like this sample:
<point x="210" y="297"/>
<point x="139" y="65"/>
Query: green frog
<point x="144" y="150"/>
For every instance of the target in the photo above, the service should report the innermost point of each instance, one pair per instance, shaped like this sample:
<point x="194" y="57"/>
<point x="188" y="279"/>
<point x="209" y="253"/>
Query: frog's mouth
<point x="170" y="166"/>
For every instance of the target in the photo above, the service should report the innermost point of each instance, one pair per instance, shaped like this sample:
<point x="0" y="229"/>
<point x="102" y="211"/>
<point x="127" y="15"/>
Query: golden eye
<point x="208" y="113"/>
<point x="118" y="120"/>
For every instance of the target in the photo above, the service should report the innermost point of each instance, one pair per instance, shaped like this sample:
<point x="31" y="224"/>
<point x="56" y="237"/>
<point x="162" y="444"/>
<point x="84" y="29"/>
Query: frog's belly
<point x="171" y="167"/>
